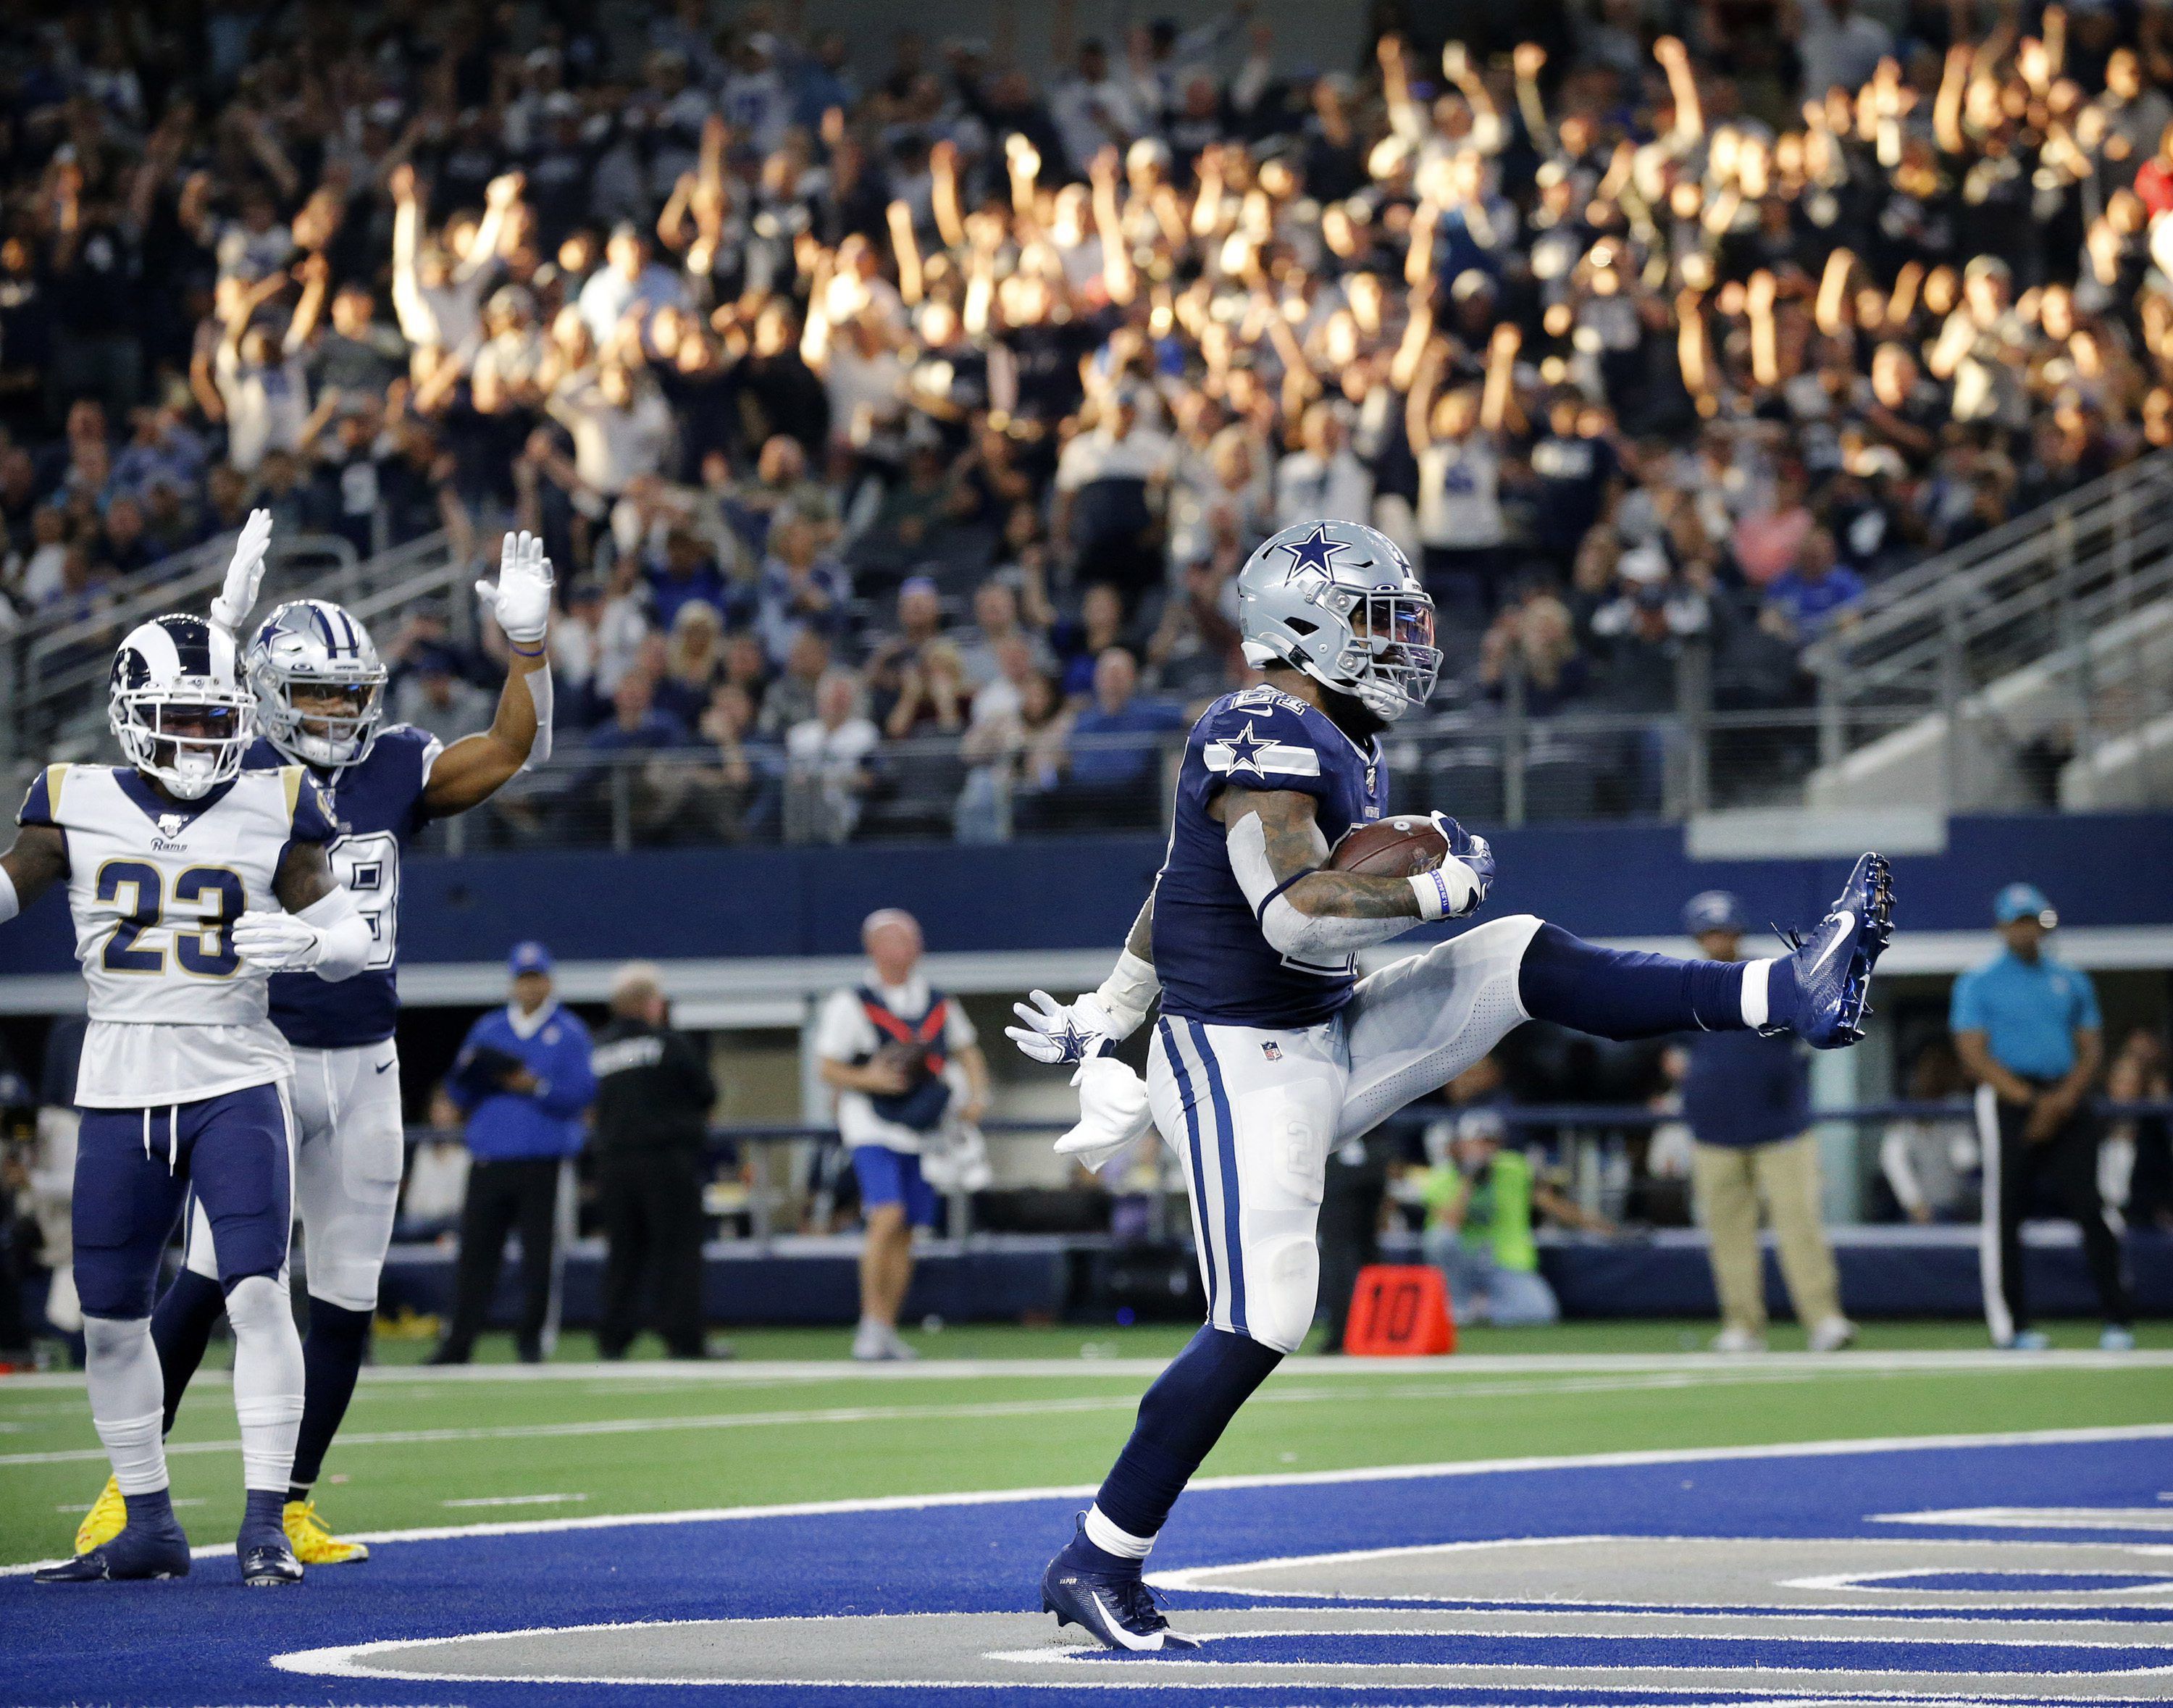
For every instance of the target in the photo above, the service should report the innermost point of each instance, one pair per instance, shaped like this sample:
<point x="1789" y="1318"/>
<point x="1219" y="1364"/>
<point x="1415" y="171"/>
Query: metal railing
<point x="53" y="672"/>
<point x="2036" y="644"/>
<point x="1492" y="766"/>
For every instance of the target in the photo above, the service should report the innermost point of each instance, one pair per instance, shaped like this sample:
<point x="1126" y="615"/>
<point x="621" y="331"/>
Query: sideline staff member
<point x="1747" y="1098"/>
<point x="522" y="1079"/>
<point x="2026" y="1025"/>
<point x="902" y="1057"/>
<point x="654" y="1095"/>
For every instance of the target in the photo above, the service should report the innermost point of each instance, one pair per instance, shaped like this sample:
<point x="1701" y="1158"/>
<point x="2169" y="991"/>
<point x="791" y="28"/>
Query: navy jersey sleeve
<point x="1260" y="739"/>
<point x="418" y="751"/>
<point x="311" y="818"/>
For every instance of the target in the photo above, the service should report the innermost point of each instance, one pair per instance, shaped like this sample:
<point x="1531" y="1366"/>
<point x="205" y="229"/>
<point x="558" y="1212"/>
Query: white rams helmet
<point x="177" y="705"/>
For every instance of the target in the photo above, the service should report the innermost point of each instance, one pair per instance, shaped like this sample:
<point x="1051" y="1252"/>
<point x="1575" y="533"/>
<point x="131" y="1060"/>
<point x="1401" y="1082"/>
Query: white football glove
<point x="275" y="942"/>
<point x="237" y="597"/>
<point x="1112" y="1112"/>
<point x="1055" y="1032"/>
<point x="521" y="599"/>
<point x="1458" y="885"/>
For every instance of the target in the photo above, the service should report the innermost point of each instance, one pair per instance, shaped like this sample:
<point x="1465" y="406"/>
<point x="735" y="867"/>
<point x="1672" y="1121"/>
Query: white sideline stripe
<point x="1216" y="1580"/>
<point x="2039" y="1517"/>
<point x="1264" y="1479"/>
<point x="804" y="1369"/>
<point x="342" y="1661"/>
<point x="513" y="1501"/>
<point x="1710" y="1375"/>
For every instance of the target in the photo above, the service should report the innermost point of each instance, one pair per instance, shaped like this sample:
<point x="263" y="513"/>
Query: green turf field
<point x="501" y="1443"/>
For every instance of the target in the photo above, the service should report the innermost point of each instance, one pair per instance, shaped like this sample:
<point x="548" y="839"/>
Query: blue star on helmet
<point x="1245" y="749"/>
<point x="1316" y="552"/>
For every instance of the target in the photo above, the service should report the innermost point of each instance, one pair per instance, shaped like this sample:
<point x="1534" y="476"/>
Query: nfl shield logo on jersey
<point x="1272" y="1050"/>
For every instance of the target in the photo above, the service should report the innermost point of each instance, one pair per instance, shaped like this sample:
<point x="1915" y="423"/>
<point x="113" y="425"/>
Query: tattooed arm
<point x="1278" y="852"/>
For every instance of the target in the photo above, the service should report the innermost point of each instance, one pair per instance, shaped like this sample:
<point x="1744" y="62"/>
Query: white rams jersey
<point x="155" y="887"/>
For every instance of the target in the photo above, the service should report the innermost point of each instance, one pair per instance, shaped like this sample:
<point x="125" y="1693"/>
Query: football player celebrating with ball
<point x="1271" y="1051"/>
<point x="319" y="690"/>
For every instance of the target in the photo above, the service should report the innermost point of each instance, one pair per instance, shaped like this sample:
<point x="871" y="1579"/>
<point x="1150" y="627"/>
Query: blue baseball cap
<point x="2024" y="902"/>
<point x="531" y="956"/>
<point x="1712" y="910"/>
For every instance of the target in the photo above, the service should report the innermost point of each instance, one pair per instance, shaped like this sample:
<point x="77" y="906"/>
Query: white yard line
<point x="1272" y="1479"/>
<point x="756" y="1371"/>
<point x="1709" y="1375"/>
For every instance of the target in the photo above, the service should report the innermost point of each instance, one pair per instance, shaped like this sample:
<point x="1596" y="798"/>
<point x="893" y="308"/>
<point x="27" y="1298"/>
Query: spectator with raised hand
<point x="799" y="591"/>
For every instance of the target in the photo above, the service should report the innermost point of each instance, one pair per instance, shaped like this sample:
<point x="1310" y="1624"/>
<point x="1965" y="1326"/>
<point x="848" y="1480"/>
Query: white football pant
<point x="1253" y="1112"/>
<point x="347" y="1172"/>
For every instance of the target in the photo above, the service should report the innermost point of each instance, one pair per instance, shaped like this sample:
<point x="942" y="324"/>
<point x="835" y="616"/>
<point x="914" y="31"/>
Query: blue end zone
<point x="203" y="1640"/>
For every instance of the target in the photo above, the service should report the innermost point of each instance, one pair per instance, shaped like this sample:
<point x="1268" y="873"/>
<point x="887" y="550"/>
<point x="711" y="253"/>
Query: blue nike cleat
<point x="1817" y="990"/>
<point x="143" y="1549"/>
<point x="268" y="1565"/>
<point x="1105" y="1594"/>
<point x="267" y="1558"/>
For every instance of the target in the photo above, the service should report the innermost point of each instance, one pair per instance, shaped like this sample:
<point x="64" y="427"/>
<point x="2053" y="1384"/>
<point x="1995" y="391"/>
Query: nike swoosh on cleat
<point x="1849" y="931"/>
<point x="1109" y="1623"/>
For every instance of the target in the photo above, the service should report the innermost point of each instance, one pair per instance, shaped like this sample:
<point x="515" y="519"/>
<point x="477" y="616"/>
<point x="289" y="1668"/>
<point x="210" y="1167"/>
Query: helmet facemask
<point x="1389" y="663"/>
<point x="330" y="722"/>
<point x="190" y="735"/>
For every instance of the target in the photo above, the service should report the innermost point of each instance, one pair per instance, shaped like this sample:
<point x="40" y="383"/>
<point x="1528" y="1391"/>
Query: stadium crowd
<point x="858" y="405"/>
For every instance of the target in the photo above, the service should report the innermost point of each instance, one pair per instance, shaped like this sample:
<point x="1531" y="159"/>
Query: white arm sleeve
<point x="1301" y="936"/>
<point x="539" y="696"/>
<point x="10" y="904"/>
<point x="343" y="934"/>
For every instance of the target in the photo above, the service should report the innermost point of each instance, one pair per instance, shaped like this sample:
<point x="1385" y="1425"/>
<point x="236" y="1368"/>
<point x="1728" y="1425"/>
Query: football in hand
<point x="1389" y="847"/>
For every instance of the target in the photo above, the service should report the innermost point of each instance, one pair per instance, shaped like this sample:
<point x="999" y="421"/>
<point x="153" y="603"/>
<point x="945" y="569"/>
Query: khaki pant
<point x="1731" y="1183"/>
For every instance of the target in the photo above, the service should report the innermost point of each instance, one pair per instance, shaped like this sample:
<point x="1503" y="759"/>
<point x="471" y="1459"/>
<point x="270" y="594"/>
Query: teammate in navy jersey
<point x="319" y="689"/>
<point x="1271" y="1052"/>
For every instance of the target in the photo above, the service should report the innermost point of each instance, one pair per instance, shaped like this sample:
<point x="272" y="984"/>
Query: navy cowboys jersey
<point x="378" y="804"/>
<point x="1217" y="965"/>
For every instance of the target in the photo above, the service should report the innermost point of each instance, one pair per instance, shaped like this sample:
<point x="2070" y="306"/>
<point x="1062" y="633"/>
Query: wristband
<point x="1435" y="899"/>
<point x="1129" y="992"/>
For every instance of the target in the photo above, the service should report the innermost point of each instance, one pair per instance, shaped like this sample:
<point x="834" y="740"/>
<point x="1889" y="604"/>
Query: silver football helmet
<point x="313" y="646"/>
<point x="1339" y="601"/>
<point x="177" y="704"/>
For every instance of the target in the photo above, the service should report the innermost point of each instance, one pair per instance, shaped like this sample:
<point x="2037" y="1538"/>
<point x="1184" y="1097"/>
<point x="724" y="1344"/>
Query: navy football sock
<point x="262" y="1514"/>
<point x="1622" y="994"/>
<point x="152" y="1510"/>
<point x="180" y="1329"/>
<point x="1181" y="1417"/>
<point x="331" y="1357"/>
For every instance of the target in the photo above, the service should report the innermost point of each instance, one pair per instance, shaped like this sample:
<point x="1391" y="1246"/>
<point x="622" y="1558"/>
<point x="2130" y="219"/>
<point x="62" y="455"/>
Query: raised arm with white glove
<point x="237" y="595"/>
<point x="328" y="938"/>
<point x="521" y="602"/>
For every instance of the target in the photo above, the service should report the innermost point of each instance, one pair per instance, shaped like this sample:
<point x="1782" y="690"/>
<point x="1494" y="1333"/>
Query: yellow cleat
<point x="107" y="1518"/>
<point x="314" y="1544"/>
